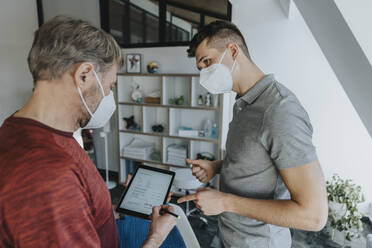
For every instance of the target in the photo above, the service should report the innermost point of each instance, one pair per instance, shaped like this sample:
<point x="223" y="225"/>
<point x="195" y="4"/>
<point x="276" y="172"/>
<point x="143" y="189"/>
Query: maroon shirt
<point x="51" y="194"/>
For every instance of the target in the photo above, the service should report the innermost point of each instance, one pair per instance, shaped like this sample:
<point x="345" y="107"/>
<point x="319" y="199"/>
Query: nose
<point x="201" y="66"/>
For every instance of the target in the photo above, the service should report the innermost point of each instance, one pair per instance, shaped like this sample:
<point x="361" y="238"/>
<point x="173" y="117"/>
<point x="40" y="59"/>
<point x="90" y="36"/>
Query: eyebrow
<point x="201" y="58"/>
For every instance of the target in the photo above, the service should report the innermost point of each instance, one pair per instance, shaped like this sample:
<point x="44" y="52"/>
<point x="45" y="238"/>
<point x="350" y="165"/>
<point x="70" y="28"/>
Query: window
<point x="148" y="23"/>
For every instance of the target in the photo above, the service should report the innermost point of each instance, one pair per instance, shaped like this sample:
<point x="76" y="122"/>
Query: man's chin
<point x="84" y="123"/>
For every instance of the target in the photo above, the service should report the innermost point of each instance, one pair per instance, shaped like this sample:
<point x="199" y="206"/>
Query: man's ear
<point x="234" y="48"/>
<point x="83" y="73"/>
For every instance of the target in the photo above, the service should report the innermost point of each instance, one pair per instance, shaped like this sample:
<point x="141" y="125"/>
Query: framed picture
<point x="133" y="61"/>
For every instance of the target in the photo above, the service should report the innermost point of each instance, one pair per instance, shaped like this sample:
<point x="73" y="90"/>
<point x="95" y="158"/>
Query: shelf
<point x="171" y="136"/>
<point x="193" y="138"/>
<point x="168" y="106"/>
<point x="143" y="133"/>
<point x="152" y="162"/>
<point x="172" y="117"/>
<point x="158" y="74"/>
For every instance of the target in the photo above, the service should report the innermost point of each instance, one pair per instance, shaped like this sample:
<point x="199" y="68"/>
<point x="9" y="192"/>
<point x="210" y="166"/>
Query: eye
<point x="207" y="61"/>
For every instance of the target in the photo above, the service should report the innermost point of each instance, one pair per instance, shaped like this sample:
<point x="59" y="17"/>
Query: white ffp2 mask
<point x="217" y="78"/>
<point x="104" y="110"/>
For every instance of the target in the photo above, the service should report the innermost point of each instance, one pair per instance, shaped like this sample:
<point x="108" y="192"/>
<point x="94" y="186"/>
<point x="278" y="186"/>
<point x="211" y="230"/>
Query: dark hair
<point x="219" y="35"/>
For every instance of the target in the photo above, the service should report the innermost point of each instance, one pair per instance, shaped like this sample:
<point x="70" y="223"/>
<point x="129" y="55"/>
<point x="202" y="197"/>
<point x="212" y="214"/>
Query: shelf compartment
<point x="203" y="147"/>
<point x="155" y="116"/>
<point x="175" y="87"/>
<point x="171" y="141"/>
<point x="147" y="84"/>
<point x="127" y="137"/>
<point x="128" y="111"/>
<point x="197" y="90"/>
<point x="194" y="119"/>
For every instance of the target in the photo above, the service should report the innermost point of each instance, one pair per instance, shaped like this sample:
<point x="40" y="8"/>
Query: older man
<point x="51" y="194"/>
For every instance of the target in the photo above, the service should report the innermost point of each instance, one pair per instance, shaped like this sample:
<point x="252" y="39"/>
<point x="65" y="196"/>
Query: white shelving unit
<point x="172" y="117"/>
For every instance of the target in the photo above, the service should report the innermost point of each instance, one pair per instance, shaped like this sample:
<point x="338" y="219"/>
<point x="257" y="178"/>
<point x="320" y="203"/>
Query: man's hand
<point x="209" y="201"/>
<point x="204" y="170"/>
<point x="160" y="226"/>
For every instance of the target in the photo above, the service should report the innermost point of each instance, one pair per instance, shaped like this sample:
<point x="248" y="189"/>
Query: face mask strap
<point x="233" y="66"/>
<point x="85" y="104"/>
<point x="99" y="83"/>
<point x="223" y="55"/>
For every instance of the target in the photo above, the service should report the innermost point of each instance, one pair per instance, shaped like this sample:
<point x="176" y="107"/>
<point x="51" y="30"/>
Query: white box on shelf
<point x="188" y="133"/>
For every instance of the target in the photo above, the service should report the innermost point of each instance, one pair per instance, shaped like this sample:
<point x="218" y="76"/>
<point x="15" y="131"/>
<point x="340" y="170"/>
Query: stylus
<point x="169" y="212"/>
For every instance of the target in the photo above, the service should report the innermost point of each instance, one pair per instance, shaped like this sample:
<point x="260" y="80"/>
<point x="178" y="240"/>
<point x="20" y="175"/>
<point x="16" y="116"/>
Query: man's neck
<point x="250" y="74"/>
<point x="50" y="108"/>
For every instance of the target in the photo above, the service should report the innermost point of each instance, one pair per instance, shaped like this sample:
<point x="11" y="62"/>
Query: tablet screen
<point x="148" y="188"/>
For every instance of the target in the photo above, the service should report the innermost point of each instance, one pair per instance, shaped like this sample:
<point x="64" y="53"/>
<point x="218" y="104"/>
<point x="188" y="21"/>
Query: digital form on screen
<point x="148" y="189"/>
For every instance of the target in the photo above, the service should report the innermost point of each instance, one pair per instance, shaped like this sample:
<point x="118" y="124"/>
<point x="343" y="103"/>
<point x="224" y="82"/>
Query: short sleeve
<point x="286" y="134"/>
<point x="55" y="212"/>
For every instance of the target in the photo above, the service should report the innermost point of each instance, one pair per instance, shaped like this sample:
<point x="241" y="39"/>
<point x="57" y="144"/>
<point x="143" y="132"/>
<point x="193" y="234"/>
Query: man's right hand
<point x="160" y="227"/>
<point x="204" y="170"/>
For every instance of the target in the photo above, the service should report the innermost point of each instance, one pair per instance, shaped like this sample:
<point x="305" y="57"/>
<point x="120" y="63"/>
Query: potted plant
<point x="344" y="216"/>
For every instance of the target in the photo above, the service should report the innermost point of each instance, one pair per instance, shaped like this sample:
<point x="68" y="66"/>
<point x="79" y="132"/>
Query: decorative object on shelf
<point x="343" y="199"/>
<point x="152" y="100"/>
<point x="185" y="128"/>
<point x="177" y="101"/>
<point x="200" y="100"/>
<point x="201" y="133"/>
<point x="157" y="128"/>
<point x="187" y="131"/>
<point x="176" y="154"/>
<point x="153" y="97"/>
<point x="215" y="131"/>
<point x="130" y="124"/>
<point x="215" y="100"/>
<point x="133" y="61"/>
<point x="205" y="156"/>
<point x="153" y="67"/>
<point x="137" y="94"/>
<point x="208" y="100"/>
<point x="208" y="128"/>
<point x="180" y="101"/>
<point x="155" y="156"/>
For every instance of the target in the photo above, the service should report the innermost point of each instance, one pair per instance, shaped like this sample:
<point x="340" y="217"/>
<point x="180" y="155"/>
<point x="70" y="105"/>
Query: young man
<point x="270" y="178"/>
<point x="51" y="194"/>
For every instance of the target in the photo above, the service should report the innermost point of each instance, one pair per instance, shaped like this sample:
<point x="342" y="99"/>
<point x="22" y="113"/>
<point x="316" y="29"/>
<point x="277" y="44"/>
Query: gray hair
<point x="64" y="41"/>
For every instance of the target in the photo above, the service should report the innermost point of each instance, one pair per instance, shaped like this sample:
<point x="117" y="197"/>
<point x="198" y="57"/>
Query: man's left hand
<point x="209" y="201"/>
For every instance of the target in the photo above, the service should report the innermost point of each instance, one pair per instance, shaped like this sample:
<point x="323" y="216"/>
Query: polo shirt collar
<point x="258" y="89"/>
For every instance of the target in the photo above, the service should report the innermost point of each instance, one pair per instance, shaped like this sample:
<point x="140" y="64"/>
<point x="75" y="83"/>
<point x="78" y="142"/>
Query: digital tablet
<point x="149" y="187"/>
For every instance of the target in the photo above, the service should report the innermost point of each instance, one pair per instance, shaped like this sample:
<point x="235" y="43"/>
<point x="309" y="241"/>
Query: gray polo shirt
<point x="270" y="131"/>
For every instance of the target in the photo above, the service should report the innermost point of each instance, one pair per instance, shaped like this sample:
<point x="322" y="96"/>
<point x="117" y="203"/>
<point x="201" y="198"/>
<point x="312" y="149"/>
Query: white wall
<point x="18" y="21"/>
<point x="288" y="49"/>
<point x="357" y="14"/>
<point x="171" y="59"/>
<point x="87" y="10"/>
